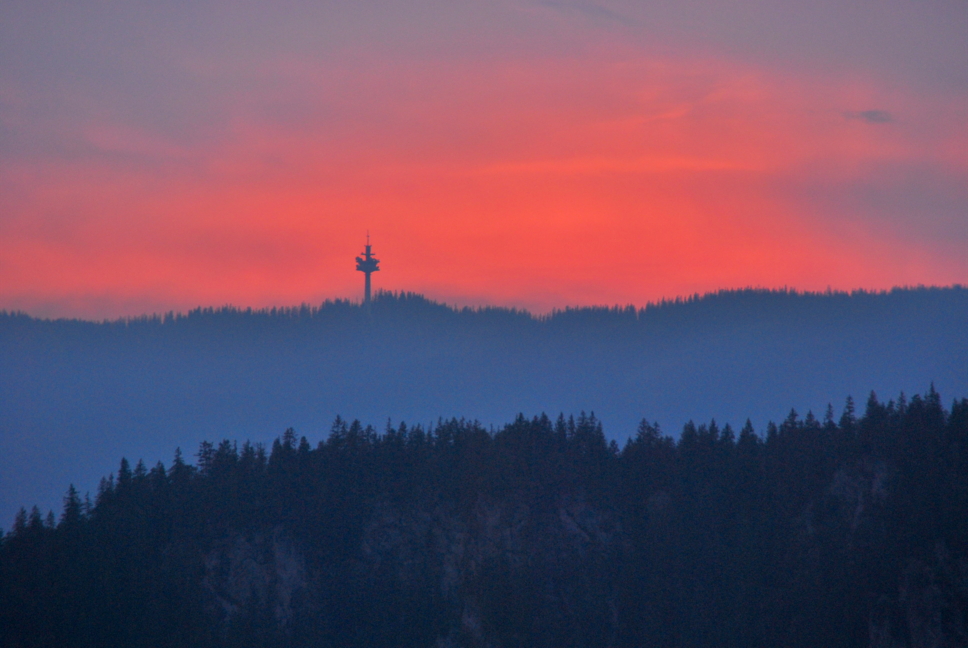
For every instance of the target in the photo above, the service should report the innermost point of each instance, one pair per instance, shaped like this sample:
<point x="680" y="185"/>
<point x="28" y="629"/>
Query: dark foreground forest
<point x="846" y="532"/>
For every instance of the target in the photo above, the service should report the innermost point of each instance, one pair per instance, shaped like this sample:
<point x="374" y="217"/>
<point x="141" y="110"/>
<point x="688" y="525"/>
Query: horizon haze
<point x="76" y="395"/>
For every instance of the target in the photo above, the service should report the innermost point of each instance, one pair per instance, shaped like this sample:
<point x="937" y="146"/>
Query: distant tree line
<point x="695" y="311"/>
<point x="840" y="531"/>
<point x="144" y="385"/>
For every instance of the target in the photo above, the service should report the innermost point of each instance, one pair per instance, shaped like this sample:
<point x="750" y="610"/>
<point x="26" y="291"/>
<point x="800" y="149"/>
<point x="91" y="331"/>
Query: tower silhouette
<point x="367" y="264"/>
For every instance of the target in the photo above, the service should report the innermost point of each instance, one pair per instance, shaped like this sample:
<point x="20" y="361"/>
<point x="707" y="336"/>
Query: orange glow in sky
<point x="617" y="175"/>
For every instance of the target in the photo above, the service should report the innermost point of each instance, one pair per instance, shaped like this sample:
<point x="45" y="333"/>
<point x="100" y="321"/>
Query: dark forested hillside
<point x="73" y="394"/>
<point x="846" y="531"/>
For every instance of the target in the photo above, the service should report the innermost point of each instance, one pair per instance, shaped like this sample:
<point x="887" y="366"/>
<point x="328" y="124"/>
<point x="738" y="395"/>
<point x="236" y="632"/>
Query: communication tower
<point x="367" y="264"/>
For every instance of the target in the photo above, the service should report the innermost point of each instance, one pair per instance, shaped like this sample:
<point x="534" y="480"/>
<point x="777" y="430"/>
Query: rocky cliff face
<point x="494" y="572"/>
<point x="255" y="572"/>
<point x="558" y="551"/>
<point x="930" y="608"/>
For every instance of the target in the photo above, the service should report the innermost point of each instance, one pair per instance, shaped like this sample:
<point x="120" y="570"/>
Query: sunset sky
<point x="162" y="155"/>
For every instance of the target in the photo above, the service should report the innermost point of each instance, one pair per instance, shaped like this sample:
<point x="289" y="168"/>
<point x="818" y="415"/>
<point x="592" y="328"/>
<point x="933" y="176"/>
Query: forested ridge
<point x="74" y="395"/>
<point x="850" y="530"/>
<point x="695" y="311"/>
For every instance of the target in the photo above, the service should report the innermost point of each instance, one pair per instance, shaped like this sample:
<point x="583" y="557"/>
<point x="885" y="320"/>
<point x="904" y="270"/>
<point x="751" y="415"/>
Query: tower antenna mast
<point x="367" y="264"/>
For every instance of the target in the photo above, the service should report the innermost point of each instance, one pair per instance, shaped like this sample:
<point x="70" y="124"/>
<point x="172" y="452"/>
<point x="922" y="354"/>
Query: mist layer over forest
<point x="74" y="395"/>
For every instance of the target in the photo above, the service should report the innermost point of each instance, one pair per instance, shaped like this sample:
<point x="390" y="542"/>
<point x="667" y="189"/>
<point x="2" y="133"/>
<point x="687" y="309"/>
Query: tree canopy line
<point x="847" y="531"/>
<point x="142" y="386"/>
<point x="693" y="311"/>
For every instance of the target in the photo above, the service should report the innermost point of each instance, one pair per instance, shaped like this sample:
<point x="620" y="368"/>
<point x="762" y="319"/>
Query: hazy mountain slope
<point x="74" y="394"/>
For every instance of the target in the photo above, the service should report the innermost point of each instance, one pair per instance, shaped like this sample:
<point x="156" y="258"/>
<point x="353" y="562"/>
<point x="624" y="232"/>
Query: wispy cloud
<point x="871" y="116"/>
